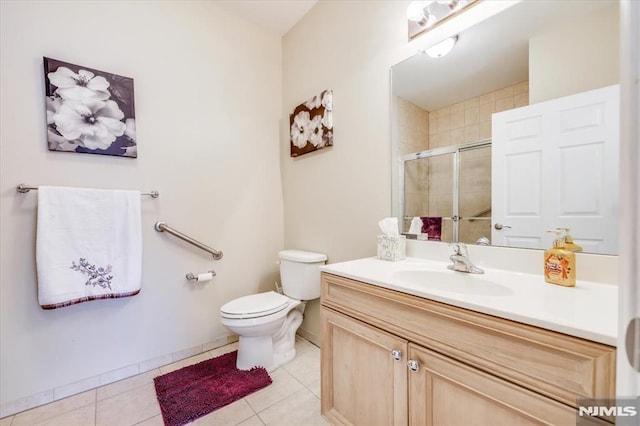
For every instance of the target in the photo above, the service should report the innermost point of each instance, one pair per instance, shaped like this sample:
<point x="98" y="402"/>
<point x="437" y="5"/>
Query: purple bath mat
<point x="191" y="392"/>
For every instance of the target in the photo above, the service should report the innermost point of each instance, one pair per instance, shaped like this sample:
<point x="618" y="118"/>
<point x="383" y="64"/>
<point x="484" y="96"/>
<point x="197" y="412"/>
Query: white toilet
<point x="266" y="323"/>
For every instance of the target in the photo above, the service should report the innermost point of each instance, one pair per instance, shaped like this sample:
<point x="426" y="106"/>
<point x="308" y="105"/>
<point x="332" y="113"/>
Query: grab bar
<point x="162" y="226"/>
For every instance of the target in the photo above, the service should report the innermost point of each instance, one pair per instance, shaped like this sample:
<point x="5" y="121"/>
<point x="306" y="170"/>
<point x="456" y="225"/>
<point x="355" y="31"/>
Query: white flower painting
<point x="312" y="124"/>
<point x="89" y="111"/>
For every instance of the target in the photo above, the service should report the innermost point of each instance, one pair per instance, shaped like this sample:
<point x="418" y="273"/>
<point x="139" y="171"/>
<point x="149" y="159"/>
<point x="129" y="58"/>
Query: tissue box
<point x="392" y="248"/>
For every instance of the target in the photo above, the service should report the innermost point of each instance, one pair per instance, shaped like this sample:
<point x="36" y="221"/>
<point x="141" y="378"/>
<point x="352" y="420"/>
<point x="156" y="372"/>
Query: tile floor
<point x="292" y="399"/>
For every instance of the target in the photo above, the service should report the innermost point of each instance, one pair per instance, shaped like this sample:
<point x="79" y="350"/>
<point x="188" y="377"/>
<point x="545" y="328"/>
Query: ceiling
<point x="488" y="56"/>
<point x="278" y="16"/>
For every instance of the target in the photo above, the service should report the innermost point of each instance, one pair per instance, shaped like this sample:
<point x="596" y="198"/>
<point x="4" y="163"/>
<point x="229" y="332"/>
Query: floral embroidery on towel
<point x="97" y="276"/>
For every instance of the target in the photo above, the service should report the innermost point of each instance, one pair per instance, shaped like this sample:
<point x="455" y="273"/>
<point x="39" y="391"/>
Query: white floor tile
<point x="184" y="363"/>
<point x="230" y="415"/>
<point x="128" y="408"/>
<point x="302" y="408"/>
<point x="85" y="416"/>
<point x="153" y="421"/>
<point x="125" y="385"/>
<point x="252" y="421"/>
<point x="305" y="367"/>
<point x="284" y="385"/>
<point x="292" y="399"/>
<point x="55" y="409"/>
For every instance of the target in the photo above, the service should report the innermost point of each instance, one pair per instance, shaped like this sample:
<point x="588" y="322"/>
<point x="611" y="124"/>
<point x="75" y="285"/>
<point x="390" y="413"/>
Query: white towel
<point x="416" y="226"/>
<point x="88" y="245"/>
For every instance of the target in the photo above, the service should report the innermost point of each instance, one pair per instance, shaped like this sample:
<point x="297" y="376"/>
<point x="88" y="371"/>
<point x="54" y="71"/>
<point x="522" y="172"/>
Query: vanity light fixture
<point x="423" y="15"/>
<point x="442" y="48"/>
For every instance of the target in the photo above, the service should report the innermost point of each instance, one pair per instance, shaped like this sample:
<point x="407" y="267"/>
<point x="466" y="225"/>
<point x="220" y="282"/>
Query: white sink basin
<point x="452" y="282"/>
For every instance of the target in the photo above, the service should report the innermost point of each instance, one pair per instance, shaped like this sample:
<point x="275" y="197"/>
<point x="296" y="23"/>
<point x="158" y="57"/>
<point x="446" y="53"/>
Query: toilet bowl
<point x="266" y="323"/>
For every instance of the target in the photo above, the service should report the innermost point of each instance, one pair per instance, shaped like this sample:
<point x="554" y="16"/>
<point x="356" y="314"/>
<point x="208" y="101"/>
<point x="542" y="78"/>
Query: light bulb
<point x="416" y="9"/>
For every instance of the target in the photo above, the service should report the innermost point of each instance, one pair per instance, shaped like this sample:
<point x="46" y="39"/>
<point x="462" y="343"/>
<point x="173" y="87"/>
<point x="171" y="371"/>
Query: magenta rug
<point x="191" y="392"/>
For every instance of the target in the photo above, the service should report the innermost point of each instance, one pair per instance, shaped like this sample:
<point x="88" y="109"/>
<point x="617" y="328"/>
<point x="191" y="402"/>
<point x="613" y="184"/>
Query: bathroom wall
<point x="208" y="90"/>
<point x="334" y="197"/>
<point x="593" y="61"/>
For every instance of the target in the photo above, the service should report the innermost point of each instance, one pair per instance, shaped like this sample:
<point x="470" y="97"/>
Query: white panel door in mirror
<point x="559" y="157"/>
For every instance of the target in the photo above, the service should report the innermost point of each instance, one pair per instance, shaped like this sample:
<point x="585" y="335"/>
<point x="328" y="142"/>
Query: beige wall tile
<point x="471" y="115"/>
<point x="504" y="104"/>
<point x="459" y="107"/>
<point x="521" y="100"/>
<point x="484" y="131"/>
<point x="471" y="103"/>
<point x="487" y="97"/>
<point x="6" y="421"/>
<point x="457" y="119"/>
<point x="486" y="110"/>
<point x="433" y="124"/>
<point x="444" y="123"/>
<point x="472" y="133"/>
<point x="457" y="136"/>
<point x="521" y="88"/>
<point x="506" y="92"/>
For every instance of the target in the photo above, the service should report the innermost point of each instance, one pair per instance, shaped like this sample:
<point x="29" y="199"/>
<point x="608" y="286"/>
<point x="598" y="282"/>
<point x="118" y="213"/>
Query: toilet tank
<point x="300" y="273"/>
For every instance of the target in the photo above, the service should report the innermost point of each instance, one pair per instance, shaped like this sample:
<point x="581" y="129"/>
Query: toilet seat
<point x="255" y="305"/>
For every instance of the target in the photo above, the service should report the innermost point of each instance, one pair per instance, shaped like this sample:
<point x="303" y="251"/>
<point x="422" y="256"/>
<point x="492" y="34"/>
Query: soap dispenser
<point x="568" y="242"/>
<point x="559" y="262"/>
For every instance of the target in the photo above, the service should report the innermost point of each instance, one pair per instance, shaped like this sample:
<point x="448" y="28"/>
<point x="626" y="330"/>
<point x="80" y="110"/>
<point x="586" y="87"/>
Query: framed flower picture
<point x="312" y="124"/>
<point x="89" y="111"/>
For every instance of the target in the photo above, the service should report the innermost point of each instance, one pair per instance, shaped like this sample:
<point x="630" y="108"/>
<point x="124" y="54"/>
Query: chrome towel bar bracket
<point x="163" y="227"/>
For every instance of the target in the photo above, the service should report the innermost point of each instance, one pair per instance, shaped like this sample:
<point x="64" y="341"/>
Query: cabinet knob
<point x="413" y="365"/>
<point x="396" y="354"/>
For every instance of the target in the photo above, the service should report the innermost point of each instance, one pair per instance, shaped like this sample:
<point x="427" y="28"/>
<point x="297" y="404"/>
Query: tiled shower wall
<point x="428" y="182"/>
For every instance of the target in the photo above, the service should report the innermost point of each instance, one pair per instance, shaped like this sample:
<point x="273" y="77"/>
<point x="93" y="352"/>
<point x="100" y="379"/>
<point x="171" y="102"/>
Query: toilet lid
<point x="255" y="305"/>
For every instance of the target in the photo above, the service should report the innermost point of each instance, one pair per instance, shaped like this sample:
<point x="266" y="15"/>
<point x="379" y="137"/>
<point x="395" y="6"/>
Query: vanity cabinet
<point x="469" y="368"/>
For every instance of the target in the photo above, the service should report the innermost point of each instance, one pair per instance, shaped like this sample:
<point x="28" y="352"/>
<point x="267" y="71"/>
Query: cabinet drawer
<point x="562" y="367"/>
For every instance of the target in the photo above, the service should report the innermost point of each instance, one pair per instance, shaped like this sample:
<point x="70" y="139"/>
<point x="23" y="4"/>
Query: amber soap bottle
<point x="559" y="262"/>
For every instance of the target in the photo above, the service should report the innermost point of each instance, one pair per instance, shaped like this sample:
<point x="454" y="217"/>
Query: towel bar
<point x="23" y="188"/>
<point x="162" y="226"/>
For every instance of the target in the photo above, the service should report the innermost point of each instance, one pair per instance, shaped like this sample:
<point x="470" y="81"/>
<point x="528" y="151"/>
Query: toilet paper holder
<point x="200" y="277"/>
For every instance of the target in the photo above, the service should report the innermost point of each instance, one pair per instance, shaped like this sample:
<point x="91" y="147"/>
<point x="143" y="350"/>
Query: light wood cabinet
<point x="472" y="368"/>
<point x="358" y="368"/>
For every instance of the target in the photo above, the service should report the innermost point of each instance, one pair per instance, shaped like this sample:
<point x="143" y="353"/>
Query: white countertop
<point x="589" y="310"/>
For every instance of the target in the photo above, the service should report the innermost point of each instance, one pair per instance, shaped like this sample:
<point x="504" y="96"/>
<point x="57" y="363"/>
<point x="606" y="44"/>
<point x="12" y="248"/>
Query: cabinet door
<point x="444" y="392"/>
<point x="362" y="382"/>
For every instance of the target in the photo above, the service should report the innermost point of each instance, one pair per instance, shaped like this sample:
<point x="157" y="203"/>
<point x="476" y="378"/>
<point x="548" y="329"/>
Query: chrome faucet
<point x="461" y="262"/>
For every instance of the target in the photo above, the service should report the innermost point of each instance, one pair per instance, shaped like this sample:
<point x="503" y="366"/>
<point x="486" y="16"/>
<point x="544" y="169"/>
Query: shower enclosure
<point x="451" y="184"/>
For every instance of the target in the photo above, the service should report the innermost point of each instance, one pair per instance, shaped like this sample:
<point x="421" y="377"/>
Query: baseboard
<point x="306" y="334"/>
<point x="64" y="391"/>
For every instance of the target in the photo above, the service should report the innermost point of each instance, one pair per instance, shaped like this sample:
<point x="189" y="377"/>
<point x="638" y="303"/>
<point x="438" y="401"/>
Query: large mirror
<point x="467" y="127"/>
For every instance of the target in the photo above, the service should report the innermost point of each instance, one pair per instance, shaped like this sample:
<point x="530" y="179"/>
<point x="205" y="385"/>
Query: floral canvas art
<point x="312" y="124"/>
<point x="89" y="111"/>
